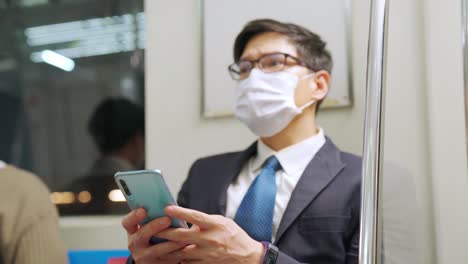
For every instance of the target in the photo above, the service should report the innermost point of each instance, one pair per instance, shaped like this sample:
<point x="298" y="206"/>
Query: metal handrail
<point x="369" y="248"/>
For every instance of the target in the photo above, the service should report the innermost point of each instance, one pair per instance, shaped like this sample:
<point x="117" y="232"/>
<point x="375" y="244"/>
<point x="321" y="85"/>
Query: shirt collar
<point x="125" y="164"/>
<point x="294" y="158"/>
<point x="110" y="165"/>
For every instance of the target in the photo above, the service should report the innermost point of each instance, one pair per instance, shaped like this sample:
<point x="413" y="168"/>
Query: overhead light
<point x="79" y="39"/>
<point x="58" y="60"/>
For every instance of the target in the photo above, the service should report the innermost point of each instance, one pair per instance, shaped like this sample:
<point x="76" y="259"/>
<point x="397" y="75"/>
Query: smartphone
<point x="147" y="189"/>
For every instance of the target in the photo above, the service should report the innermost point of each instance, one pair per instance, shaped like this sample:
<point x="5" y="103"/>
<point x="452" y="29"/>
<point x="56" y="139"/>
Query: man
<point x="117" y="127"/>
<point x="291" y="197"/>
<point x="29" y="232"/>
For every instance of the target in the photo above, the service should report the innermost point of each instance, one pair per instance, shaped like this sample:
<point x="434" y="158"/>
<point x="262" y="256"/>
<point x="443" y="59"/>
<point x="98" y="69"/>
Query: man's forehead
<point x="268" y="43"/>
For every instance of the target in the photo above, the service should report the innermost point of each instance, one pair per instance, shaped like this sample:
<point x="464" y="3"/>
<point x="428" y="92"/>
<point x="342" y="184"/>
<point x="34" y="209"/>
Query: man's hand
<point x="212" y="239"/>
<point x="138" y="239"/>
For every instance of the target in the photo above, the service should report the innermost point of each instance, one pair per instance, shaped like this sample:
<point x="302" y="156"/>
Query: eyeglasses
<point x="274" y="62"/>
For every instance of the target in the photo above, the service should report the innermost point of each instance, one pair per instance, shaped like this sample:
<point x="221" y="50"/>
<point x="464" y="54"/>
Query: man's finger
<point x="153" y="228"/>
<point x="200" y="219"/>
<point x="181" y="235"/>
<point x="189" y="253"/>
<point x="131" y="221"/>
<point x="160" y="251"/>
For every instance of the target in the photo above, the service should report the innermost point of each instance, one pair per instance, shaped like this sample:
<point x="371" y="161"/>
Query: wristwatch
<point x="271" y="253"/>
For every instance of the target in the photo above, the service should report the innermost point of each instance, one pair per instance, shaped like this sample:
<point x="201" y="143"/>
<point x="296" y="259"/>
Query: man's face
<point x="310" y="88"/>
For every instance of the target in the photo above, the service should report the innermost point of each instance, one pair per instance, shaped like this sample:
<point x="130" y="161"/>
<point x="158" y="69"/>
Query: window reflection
<point x="60" y="62"/>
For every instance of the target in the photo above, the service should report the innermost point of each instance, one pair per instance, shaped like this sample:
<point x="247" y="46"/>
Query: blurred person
<point x="29" y="232"/>
<point x="292" y="196"/>
<point x="117" y="127"/>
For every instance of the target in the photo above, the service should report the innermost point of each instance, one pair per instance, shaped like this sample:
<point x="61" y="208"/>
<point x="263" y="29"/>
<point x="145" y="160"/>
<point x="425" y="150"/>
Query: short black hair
<point x="311" y="48"/>
<point x="114" y="122"/>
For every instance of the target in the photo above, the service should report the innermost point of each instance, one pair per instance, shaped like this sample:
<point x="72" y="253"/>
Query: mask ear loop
<point x="307" y="76"/>
<point x="312" y="101"/>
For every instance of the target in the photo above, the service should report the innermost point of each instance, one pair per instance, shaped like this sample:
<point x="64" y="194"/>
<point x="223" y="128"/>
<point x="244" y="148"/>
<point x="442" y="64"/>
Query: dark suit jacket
<point x="321" y="222"/>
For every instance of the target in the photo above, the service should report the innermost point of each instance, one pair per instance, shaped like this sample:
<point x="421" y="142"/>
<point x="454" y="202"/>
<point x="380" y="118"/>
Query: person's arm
<point x="218" y="239"/>
<point x="40" y="242"/>
<point x="37" y="237"/>
<point x="211" y="239"/>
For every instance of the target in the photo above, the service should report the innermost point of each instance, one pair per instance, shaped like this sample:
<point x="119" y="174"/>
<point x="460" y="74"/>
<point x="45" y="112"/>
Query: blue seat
<point x="95" y="256"/>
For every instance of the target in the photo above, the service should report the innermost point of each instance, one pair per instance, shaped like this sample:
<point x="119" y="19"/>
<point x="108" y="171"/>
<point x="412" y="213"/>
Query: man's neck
<point x="125" y="155"/>
<point x="300" y="129"/>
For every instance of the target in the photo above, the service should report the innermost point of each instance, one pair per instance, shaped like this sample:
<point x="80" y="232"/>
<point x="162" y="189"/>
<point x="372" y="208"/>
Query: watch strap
<point x="271" y="253"/>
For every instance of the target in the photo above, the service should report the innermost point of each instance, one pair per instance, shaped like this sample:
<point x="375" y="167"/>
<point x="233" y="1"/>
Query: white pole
<point x="369" y="250"/>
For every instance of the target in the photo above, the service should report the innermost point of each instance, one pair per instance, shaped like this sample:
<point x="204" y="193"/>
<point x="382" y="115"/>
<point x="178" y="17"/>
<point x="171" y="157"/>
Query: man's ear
<point x="322" y="84"/>
<point x="135" y="139"/>
<point x="139" y="138"/>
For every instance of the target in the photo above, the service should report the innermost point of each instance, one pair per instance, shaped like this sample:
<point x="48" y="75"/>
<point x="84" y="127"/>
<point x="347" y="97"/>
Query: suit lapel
<point x="318" y="174"/>
<point x="233" y="168"/>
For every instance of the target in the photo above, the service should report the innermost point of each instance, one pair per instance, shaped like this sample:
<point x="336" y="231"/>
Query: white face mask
<point x="265" y="101"/>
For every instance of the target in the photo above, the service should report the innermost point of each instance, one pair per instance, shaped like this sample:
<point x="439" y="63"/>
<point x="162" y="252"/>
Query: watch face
<point x="271" y="255"/>
<point x="271" y="258"/>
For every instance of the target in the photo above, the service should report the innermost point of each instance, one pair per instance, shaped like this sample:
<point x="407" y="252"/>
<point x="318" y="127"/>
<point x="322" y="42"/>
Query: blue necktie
<point x="255" y="214"/>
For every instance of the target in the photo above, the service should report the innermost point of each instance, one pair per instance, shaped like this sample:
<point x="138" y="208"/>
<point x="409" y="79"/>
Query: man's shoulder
<point x="215" y="160"/>
<point x="345" y="157"/>
<point x="207" y="175"/>
<point x="351" y="174"/>
<point x="350" y="164"/>
<point x="351" y="159"/>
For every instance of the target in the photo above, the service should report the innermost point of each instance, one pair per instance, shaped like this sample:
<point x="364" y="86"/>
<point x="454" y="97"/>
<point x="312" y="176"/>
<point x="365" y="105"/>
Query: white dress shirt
<point x="293" y="159"/>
